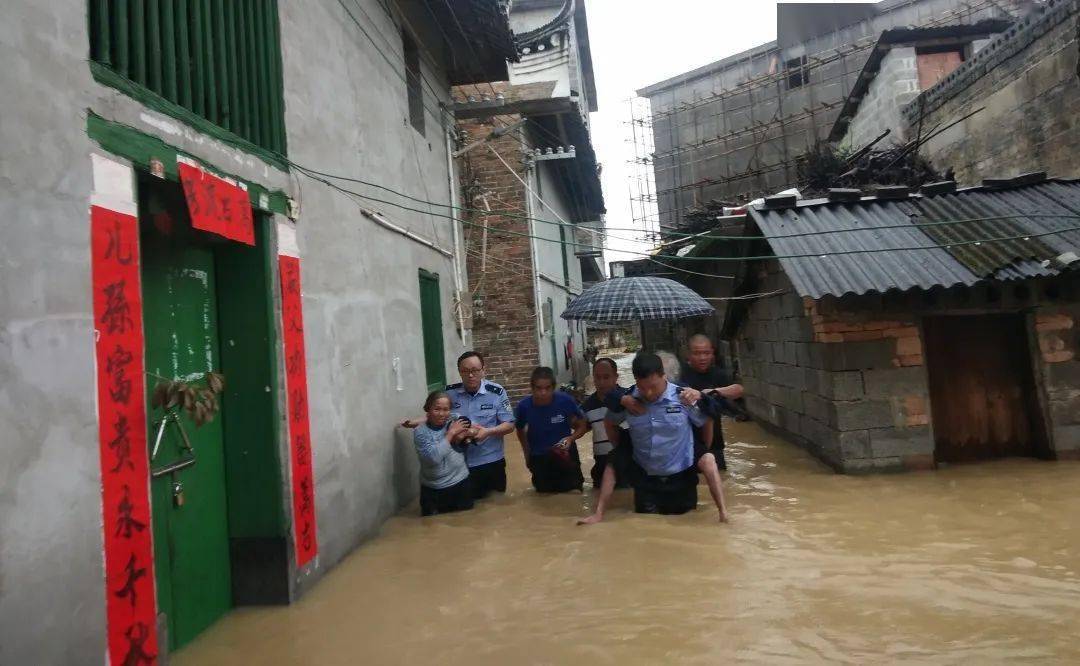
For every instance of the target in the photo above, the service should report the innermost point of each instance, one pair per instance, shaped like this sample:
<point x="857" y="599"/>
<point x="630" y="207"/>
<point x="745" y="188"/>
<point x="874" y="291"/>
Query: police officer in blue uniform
<point x="664" y="457"/>
<point x="487" y="406"/>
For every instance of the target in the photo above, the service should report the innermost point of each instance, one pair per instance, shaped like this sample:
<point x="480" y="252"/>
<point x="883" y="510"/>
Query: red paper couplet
<point x="216" y="205"/>
<point x="125" y="473"/>
<point x="303" y="479"/>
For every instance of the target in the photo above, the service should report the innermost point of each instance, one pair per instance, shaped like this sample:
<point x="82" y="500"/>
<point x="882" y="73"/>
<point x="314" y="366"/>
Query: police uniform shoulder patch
<point x="451" y="387"/>
<point x="495" y="388"/>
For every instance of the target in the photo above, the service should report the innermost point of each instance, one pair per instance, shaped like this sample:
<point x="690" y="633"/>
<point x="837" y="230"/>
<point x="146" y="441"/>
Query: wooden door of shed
<point x="982" y="390"/>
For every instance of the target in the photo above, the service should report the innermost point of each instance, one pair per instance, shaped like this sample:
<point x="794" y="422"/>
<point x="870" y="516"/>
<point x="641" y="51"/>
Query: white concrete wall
<point x="560" y="63"/>
<point x="345" y="113"/>
<point x="547" y="258"/>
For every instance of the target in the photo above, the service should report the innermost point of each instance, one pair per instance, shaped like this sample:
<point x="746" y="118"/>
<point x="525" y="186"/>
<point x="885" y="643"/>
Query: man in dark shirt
<point x="701" y="373"/>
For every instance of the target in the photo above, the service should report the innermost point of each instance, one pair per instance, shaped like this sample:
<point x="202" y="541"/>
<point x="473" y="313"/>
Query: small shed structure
<point x="901" y="330"/>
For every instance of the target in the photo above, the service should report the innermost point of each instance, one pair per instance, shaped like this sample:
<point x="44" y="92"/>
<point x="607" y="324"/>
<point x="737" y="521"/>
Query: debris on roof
<point x="825" y="166"/>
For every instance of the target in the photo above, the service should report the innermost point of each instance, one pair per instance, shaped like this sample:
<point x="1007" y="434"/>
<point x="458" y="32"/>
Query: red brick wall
<point x="504" y="308"/>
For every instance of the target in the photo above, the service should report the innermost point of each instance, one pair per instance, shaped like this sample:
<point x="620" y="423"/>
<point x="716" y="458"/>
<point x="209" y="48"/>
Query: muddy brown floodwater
<point x="971" y="564"/>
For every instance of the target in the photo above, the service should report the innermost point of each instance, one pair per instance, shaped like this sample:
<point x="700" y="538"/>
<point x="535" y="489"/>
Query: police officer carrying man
<point x="664" y="460"/>
<point x="487" y="406"/>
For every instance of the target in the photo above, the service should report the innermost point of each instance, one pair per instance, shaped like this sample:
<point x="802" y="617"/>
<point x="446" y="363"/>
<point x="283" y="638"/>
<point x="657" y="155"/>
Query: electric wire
<point x="743" y="258"/>
<point x="705" y="235"/>
<point x="439" y="117"/>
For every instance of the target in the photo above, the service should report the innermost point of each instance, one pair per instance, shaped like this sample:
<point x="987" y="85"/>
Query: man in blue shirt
<point x="487" y="406"/>
<point x="549" y="423"/>
<point x="663" y="452"/>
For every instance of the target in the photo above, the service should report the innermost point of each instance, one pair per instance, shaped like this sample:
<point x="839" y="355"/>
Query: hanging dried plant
<point x="200" y="402"/>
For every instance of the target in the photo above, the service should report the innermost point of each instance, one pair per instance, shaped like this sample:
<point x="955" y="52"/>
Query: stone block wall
<point x="504" y="304"/>
<point x="850" y="386"/>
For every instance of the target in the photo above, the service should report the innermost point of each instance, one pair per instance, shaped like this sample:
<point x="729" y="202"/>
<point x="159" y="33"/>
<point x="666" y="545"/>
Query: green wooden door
<point x="191" y="541"/>
<point x="431" y="325"/>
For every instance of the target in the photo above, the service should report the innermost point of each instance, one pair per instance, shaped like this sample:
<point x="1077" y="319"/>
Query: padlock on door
<point x="178" y="494"/>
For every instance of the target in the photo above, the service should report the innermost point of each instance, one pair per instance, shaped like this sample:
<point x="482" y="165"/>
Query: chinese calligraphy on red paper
<point x="216" y="205"/>
<point x="129" y="556"/>
<point x="303" y="482"/>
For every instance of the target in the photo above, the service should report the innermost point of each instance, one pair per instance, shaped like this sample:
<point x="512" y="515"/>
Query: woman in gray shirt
<point x="444" y="475"/>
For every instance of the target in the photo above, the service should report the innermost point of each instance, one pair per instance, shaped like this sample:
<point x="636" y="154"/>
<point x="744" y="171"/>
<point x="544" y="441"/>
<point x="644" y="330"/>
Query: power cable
<point x="705" y="235"/>
<point x="728" y="258"/>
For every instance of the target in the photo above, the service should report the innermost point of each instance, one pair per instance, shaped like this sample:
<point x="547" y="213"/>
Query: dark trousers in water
<point x="670" y="494"/>
<point x="552" y="474"/>
<point x="601" y="463"/>
<point x="457" y="497"/>
<point x="488" y="478"/>
<point x="717" y="450"/>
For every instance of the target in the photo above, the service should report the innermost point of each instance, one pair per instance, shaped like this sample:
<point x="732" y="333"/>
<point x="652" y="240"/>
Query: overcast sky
<point x="639" y="42"/>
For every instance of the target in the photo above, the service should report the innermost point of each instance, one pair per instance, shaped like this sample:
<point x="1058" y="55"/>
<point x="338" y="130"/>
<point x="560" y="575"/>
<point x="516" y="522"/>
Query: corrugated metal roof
<point x="865" y="257"/>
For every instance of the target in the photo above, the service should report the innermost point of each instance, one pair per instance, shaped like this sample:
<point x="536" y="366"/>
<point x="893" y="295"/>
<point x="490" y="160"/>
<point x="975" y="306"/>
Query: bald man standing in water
<point x="703" y="375"/>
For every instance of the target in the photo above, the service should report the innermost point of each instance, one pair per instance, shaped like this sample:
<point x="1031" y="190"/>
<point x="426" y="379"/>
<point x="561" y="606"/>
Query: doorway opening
<point x="982" y="388"/>
<point x="217" y="499"/>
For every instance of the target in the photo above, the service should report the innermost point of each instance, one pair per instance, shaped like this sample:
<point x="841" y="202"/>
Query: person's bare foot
<point x="590" y="520"/>
<point x="723" y="517"/>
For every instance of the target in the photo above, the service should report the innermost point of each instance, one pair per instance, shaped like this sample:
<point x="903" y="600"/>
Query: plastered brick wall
<point x="504" y="308"/>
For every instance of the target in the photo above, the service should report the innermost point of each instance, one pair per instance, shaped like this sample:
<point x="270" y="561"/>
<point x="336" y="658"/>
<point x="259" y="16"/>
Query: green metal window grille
<point x="218" y="59"/>
<point x="432" y="326"/>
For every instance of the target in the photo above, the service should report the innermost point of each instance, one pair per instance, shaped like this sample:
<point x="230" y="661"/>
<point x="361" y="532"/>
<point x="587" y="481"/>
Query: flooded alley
<point x="968" y="564"/>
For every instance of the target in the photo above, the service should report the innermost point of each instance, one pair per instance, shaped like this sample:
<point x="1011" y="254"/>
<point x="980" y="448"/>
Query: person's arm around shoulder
<point x="731" y="391"/>
<point x="723" y="385"/>
<point x="632" y="405"/>
<point x="697" y="416"/>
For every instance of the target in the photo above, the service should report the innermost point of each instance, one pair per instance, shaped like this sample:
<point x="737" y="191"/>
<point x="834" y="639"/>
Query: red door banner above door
<point x="125" y="475"/>
<point x="303" y="479"/>
<point x="216" y="204"/>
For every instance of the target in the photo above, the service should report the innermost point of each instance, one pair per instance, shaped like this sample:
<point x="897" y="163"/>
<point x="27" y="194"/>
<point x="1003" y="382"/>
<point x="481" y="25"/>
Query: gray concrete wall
<point x="345" y="113"/>
<point x="1027" y="87"/>
<point x="361" y="294"/>
<point x="896" y="84"/>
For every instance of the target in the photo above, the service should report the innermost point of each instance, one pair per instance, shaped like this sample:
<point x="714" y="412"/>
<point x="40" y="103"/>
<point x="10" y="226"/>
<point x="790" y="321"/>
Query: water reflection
<point x="970" y="564"/>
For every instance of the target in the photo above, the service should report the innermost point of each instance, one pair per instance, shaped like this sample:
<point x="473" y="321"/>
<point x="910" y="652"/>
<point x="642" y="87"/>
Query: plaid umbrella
<point x="636" y="299"/>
